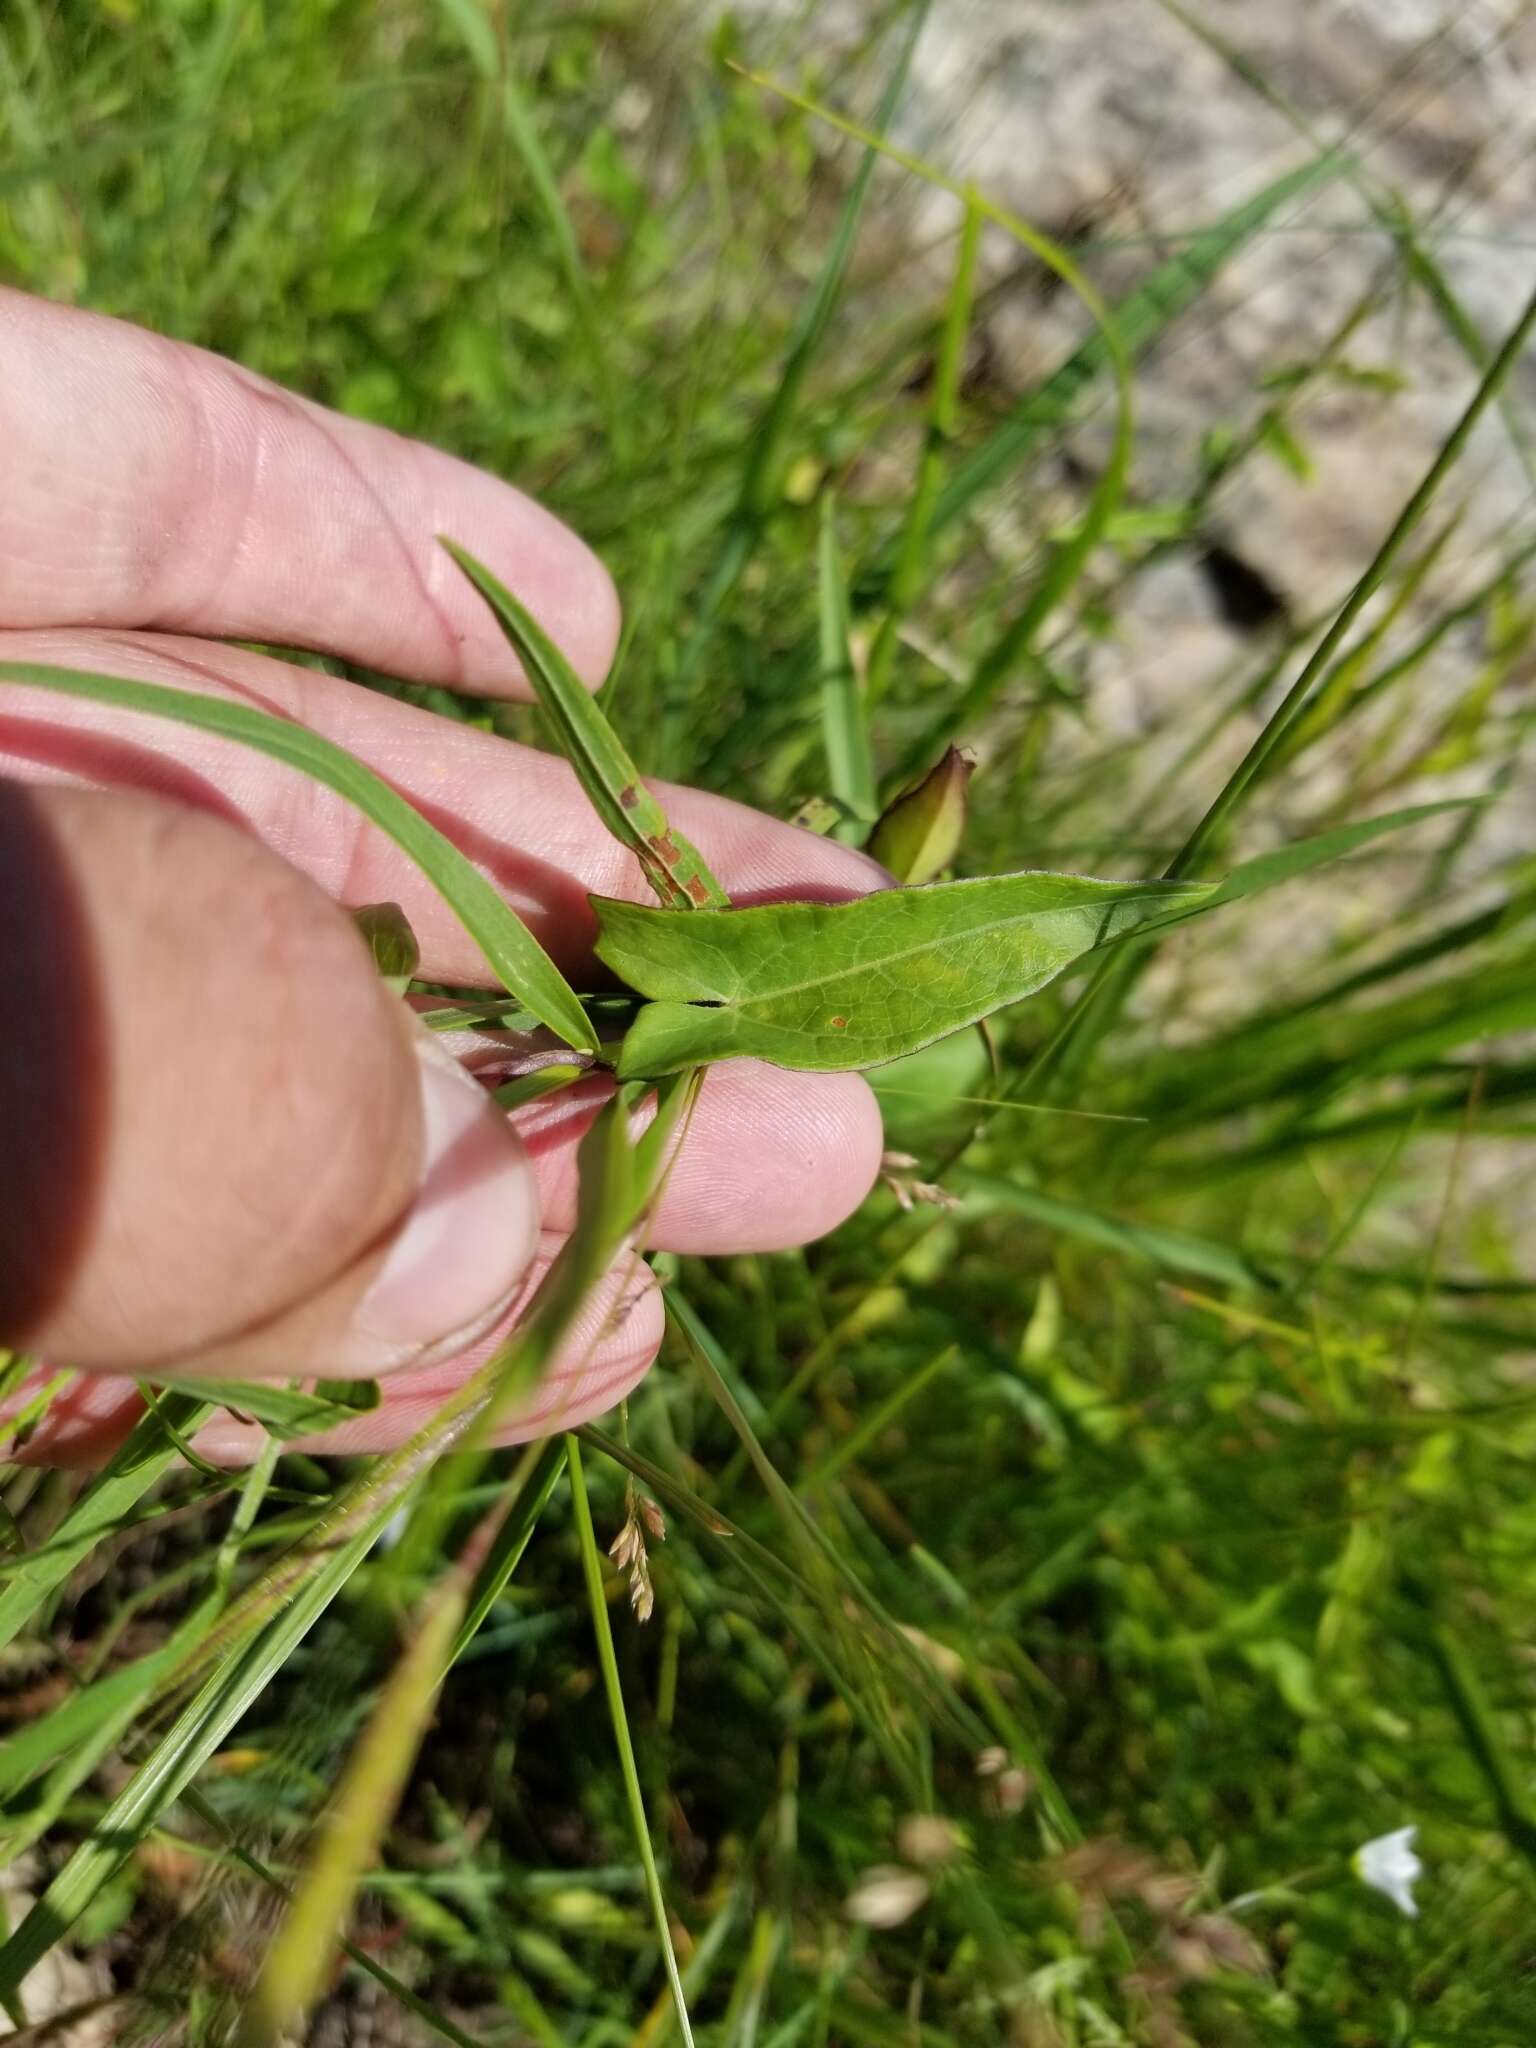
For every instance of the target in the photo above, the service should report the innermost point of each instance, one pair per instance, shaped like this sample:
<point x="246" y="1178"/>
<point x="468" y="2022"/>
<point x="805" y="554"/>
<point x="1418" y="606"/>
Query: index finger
<point x="151" y="484"/>
<point x="520" y="815"/>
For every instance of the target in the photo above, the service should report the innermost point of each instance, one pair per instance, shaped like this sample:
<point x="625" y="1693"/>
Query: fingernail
<point x="459" y="1257"/>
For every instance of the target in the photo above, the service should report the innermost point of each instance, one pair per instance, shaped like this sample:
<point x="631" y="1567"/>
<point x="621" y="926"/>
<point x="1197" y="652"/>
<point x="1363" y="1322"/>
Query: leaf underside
<point x="831" y="986"/>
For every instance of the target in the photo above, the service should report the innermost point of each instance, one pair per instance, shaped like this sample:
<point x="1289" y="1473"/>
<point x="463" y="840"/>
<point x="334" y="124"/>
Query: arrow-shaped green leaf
<point x="846" y="985"/>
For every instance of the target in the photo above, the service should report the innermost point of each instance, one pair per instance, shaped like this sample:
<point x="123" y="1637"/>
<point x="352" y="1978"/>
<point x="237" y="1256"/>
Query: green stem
<point x="592" y="1567"/>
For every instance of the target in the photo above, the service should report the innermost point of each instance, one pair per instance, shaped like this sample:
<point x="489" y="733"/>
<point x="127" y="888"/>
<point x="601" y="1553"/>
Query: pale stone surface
<point x="1108" y="120"/>
<point x="1107" y="123"/>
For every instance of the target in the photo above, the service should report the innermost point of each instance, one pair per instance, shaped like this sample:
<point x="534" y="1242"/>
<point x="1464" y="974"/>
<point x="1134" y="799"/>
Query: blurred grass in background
<point x="1188" y="1457"/>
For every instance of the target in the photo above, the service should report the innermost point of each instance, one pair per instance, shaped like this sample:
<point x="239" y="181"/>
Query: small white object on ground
<point x="1388" y="1865"/>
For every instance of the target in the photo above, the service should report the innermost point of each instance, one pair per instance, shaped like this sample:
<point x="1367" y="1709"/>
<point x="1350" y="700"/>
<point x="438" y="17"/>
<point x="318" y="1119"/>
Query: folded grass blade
<point x="674" y="868"/>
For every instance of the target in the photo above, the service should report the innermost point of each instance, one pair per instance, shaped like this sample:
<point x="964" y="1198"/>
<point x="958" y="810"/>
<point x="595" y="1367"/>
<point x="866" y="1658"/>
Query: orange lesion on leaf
<point x="698" y="893"/>
<point x="839" y="1023"/>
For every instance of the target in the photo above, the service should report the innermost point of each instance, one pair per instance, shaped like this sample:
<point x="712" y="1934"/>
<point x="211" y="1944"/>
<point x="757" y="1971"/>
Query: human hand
<point x="229" y="1151"/>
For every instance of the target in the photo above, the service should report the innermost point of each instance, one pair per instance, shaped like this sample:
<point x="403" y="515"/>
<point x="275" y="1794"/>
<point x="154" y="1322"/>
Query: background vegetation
<point x="1123" y="1539"/>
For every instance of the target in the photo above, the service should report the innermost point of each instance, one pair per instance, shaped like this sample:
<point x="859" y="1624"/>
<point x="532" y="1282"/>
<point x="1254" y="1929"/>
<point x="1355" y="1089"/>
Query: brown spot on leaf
<point x="698" y="892"/>
<point x="839" y="1023"/>
<point x="629" y="797"/>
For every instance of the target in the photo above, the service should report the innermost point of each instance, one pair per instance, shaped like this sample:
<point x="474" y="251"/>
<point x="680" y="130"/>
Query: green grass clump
<point x="1074" y="1560"/>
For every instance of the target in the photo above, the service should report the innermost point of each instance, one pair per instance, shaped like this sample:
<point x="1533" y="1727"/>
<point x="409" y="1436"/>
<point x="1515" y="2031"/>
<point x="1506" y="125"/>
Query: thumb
<point x="227" y="1145"/>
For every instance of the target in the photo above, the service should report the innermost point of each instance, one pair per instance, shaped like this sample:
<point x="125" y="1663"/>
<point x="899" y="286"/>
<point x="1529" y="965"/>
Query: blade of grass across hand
<point x="592" y="1569"/>
<point x="511" y="951"/>
<point x="617" y="1184"/>
<point x="674" y="868"/>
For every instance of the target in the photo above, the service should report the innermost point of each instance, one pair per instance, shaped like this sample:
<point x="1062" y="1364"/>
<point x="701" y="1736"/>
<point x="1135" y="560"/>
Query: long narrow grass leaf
<point x="517" y="119"/>
<point x="765" y="446"/>
<point x="186" y="1746"/>
<point x="358" y="1818"/>
<point x="516" y="958"/>
<point x="913" y="548"/>
<point x="674" y="868"/>
<point x="99" y="1512"/>
<point x="1138" y="320"/>
<point x="844" y="720"/>
<point x="1069" y="557"/>
<point x="592" y="1571"/>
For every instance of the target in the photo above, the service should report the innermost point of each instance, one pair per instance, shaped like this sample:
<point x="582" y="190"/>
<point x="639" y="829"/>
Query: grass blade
<point x="177" y="1758"/>
<point x="1386" y="206"/>
<point x="811" y="327"/>
<point x="592" y="1569"/>
<point x="148" y="1453"/>
<point x="514" y="955"/>
<point x="354" y="1827"/>
<point x="912" y="552"/>
<point x="1070" y="557"/>
<point x="1138" y="320"/>
<point x="1177" y="1250"/>
<point x="765" y="447"/>
<point x="522" y="131"/>
<point x="1093" y="1014"/>
<point x="1297" y="700"/>
<point x="255" y="1638"/>
<point x="533" y="1483"/>
<point x="675" y="869"/>
<point x="845" y="731"/>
